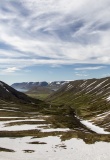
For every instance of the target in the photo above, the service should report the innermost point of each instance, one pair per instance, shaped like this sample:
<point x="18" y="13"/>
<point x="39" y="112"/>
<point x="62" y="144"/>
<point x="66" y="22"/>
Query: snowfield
<point x="54" y="149"/>
<point x="51" y="147"/>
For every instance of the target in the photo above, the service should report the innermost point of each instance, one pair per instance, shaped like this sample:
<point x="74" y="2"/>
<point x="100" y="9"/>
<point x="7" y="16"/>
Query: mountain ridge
<point x="29" y="85"/>
<point x="38" y="87"/>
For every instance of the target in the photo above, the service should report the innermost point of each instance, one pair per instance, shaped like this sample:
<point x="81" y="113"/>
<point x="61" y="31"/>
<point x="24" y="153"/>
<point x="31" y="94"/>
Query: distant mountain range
<point x="28" y="85"/>
<point x="38" y="87"/>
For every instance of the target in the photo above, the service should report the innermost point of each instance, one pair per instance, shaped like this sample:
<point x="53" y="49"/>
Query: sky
<point x="49" y="40"/>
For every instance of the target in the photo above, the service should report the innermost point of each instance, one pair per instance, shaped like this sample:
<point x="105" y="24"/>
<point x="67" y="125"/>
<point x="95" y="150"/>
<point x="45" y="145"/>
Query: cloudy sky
<point x="54" y="40"/>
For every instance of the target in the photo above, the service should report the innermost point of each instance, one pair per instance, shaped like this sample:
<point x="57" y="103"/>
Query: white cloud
<point x="11" y="70"/>
<point x="106" y="75"/>
<point x="89" y="68"/>
<point x="54" y="32"/>
<point x="81" y="75"/>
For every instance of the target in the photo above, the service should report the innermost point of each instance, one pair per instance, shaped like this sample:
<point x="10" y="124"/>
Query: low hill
<point x="39" y="90"/>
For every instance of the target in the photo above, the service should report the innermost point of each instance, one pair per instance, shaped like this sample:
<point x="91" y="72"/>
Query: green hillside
<point x="89" y="98"/>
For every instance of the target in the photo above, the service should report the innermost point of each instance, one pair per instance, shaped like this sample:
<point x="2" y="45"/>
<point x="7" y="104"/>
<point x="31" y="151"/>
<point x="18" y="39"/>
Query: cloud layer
<point x="54" y="32"/>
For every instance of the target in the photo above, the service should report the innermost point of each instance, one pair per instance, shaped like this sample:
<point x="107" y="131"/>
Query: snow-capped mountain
<point x="29" y="86"/>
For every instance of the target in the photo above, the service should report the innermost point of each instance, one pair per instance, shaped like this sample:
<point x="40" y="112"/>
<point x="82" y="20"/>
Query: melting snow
<point x="83" y="84"/>
<point x="108" y="99"/>
<point x="52" y="150"/>
<point x="69" y="87"/>
<point x="7" y="90"/>
<point x="100" y="84"/>
<point x="13" y="117"/>
<point x="94" y="128"/>
<point x="55" y="129"/>
<point x="20" y="127"/>
<point x="1" y="84"/>
<point x="91" y="84"/>
<point x="104" y="114"/>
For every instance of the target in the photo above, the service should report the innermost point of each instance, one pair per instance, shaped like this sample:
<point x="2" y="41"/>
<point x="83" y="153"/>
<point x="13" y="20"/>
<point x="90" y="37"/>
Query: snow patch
<point x="69" y="87"/>
<point x="83" y="84"/>
<point x="108" y="99"/>
<point x="1" y="84"/>
<point x="52" y="150"/>
<point x="55" y="129"/>
<point x="20" y="127"/>
<point x="100" y="84"/>
<point x="94" y="128"/>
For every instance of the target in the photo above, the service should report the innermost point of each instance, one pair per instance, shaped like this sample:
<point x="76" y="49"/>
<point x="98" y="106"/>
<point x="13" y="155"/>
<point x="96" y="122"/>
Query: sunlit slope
<point x="90" y="99"/>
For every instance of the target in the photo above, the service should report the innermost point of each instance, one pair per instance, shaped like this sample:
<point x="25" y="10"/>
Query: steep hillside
<point x="7" y="93"/>
<point x="90" y="99"/>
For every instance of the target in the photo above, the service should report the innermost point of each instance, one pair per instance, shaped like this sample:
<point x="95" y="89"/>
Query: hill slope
<point x="90" y="99"/>
<point x="7" y="93"/>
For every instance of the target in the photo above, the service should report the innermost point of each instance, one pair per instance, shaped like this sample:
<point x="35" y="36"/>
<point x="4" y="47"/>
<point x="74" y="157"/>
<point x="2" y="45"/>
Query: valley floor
<point x="27" y="134"/>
